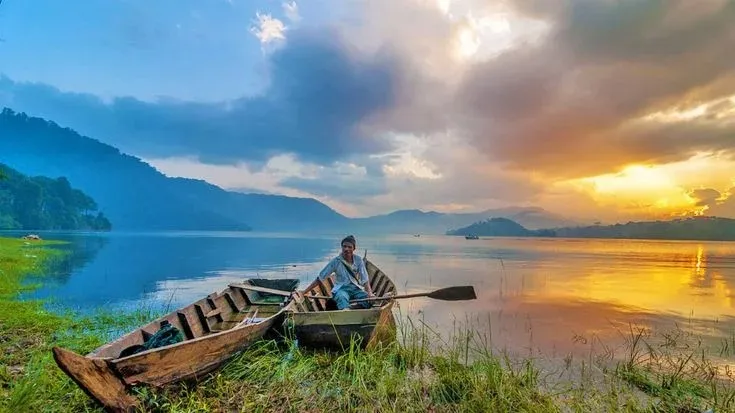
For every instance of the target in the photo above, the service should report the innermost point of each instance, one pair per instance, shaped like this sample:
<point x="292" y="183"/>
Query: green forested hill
<point x="500" y="227"/>
<point x="44" y="203"/>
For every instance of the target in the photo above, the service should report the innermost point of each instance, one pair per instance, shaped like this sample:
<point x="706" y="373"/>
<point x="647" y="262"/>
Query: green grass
<point x="679" y="372"/>
<point x="29" y="378"/>
<point x="269" y="377"/>
<point x="663" y="372"/>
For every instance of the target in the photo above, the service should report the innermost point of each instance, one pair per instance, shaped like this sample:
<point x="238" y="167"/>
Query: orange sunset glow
<point x="373" y="205"/>
<point x="598" y="111"/>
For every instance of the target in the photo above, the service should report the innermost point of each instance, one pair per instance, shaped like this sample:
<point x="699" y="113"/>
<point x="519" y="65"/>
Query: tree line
<point x="40" y="202"/>
<point x="692" y="228"/>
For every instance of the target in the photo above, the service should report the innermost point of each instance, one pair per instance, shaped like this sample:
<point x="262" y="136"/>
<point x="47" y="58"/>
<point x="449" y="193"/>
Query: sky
<point x="605" y="110"/>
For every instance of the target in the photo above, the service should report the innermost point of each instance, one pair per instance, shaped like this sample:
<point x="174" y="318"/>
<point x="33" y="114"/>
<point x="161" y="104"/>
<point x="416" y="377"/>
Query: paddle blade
<point x="459" y="293"/>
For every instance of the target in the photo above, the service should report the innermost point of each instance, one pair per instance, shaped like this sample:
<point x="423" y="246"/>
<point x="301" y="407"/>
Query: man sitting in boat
<point x="351" y="280"/>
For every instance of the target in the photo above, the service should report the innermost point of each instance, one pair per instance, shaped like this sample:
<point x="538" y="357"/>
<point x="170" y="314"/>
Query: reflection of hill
<point x="131" y="265"/>
<point x="81" y="251"/>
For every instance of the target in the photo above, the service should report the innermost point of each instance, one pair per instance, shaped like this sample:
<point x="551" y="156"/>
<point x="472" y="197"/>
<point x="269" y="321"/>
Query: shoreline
<point x="333" y="235"/>
<point x="672" y="374"/>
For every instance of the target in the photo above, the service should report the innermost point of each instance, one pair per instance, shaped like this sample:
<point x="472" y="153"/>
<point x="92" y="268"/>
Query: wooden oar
<point x="261" y="289"/>
<point x="459" y="293"/>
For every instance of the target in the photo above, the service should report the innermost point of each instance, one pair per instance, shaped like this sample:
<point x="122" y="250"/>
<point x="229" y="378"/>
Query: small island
<point x="500" y="227"/>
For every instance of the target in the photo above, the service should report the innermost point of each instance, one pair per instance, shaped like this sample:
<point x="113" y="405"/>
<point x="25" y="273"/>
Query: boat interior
<point x="305" y="301"/>
<point x="235" y="306"/>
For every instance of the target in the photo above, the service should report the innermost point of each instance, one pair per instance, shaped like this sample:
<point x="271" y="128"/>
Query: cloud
<point x="569" y="92"/>
<point x="319" y="93"/>
<point x="268" y="29"/>
<point x="343" y="186"/>
<point x="724" y="208"/>
<point x="706" y="196"/>
<point x="291" y="10"/>
<point x="343" y="181"/>
<point x="354" y="190"/>
<point x="443" y="172"/>
<point x="717" y="203"/>
<point x="568" y="105"/>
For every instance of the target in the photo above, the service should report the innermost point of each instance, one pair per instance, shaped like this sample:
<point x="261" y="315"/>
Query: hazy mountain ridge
<point x="136" y="196"/>
<point x="693" y="228"/>
<point x="432" y="222"/>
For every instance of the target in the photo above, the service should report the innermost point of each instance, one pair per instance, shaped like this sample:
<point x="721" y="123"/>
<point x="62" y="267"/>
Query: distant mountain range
<point x="135" y="196"/>
<point x="418" y="222"/>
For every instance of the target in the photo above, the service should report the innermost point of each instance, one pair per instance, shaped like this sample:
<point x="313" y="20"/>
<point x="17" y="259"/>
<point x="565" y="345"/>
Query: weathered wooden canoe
<point x="316" y="324"/>
<point x="214" y="329"/>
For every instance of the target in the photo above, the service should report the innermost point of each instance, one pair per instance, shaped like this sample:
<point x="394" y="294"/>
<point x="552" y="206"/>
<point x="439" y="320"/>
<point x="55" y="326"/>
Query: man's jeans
<point x="350" y="292"/>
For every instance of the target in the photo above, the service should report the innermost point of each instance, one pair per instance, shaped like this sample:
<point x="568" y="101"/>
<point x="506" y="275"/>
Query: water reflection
<point x="553" y="296"/>
<point x="555" y="303"/>
<point x="142" y="267"/>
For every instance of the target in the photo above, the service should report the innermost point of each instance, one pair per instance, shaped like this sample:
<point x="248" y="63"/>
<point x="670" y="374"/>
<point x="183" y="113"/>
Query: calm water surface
<point x="535" y="296"/>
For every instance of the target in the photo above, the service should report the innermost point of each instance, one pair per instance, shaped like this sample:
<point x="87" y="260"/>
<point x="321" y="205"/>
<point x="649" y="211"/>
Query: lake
<point x="549" y="297"/>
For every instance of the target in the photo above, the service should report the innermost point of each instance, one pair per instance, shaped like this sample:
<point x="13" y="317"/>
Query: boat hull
<point x="214" y="329"/>
<point x="189" y="359"/>
<point x="338" y="330"/>
<point x="313" y="322"/>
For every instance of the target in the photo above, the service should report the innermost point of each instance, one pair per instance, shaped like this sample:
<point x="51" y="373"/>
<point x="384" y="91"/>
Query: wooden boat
<point x="316" y="323"/>
<point x="214" y="328"/>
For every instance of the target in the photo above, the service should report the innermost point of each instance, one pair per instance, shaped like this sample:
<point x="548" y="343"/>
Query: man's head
<point x="348" y="246"/>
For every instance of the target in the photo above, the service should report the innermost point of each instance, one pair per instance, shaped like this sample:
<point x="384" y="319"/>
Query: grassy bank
<point x="29" y="379"/>
<point x="676" y="377"/>
<point x="663" y="372"/>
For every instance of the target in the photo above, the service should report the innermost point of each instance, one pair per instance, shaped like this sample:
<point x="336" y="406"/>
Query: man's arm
<point x="364" y="279"/>
<point x="328" y="269"/>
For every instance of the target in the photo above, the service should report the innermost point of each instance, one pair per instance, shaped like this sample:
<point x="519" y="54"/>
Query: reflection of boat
<point x="317" y="323"/>
<point x="196" y="339"/>
<point x="416" y="235"/>
<point x="471" y="237"/>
